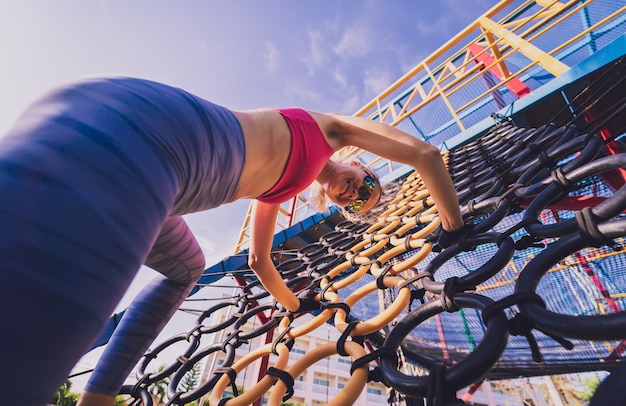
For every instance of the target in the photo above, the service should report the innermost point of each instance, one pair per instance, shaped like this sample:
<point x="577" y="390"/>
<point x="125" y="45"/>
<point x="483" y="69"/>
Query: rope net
<point x="535" y="287"/>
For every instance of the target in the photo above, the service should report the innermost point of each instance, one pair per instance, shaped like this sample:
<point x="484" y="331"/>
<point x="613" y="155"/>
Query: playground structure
<point x="527" y="106"/>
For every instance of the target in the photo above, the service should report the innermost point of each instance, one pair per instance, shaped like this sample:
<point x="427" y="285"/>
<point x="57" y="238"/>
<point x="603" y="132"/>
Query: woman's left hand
<point x="308" y="302"/>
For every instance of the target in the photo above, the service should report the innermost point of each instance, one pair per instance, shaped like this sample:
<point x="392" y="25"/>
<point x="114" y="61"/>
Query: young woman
<point x="94" y="178"/>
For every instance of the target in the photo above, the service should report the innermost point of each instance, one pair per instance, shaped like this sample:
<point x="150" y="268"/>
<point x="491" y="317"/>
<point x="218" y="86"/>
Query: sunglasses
<point x="365" y="192"/>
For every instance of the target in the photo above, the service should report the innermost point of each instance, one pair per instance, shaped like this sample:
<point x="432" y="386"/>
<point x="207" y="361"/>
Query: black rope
<point x="288" y="343"/>
<point x="191" y="332"/>
<point x="450" y="288"/>
<point x="617" y="113"/>
<point x="376" y="375"/>
<point x="285" y="313"/>
<point x="545" y="159"/>
<point x="232" y="374"/>
<point x="526" y="242"/>
<point x="434" y="395"/>
<point x="470" y="208"/>
<point x="341" y="343"/>
<point x="505" y="195"/>
<point x="415" y="278"/>
<point x="589" y="137"/>
<point x="382" y="352"/>
<point x="407" y="244"/>
<point x="504" y="169"/>
<point x="472" y="187"/>
<point x="534" y="148"/>
<point x="325" y="289"/>
<point x="285" y="377"/>
<point x="586" y="221"/>
<point x="380" y="283"/>
<point x="560" y="179"/>
<point x="343" y="306"/>
<point x="521" y="325"/>
<point x="174" y="399"/>
<point x="279" y="339"/>
<point x="417" y="294"/>
<point x="233" y="336"/>
<point x="143" y="382"/>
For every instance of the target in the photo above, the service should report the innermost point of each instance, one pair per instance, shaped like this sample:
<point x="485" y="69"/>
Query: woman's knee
<point x="176" y="253"/>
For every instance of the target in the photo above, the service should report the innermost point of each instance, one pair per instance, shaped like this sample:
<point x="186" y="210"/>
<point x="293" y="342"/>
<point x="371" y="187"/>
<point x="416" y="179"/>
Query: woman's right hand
<point x="449" y="238"/>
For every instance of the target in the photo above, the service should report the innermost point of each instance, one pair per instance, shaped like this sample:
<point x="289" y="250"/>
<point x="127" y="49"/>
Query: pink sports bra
<point x="309" y="153"/>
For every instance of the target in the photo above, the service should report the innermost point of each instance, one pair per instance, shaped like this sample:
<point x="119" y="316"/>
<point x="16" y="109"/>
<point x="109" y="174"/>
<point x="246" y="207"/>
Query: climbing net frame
<point x="535" y="287"/>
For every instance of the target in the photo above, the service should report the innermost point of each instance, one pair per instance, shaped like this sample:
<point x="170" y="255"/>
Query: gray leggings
<point x="177" y="255"/>
<point x="93" y="180"/>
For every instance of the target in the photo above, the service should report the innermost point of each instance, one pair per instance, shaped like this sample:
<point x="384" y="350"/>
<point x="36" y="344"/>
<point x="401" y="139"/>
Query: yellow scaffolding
<point x="510" y="30"/>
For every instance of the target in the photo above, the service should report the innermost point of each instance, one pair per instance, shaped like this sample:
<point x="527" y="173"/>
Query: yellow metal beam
<point x="444" y="98"/>
<point x="549" y="63"/>
<point x="497" y="55"/>
<point x="243" y="235"/>
<point x="551" y="5"/>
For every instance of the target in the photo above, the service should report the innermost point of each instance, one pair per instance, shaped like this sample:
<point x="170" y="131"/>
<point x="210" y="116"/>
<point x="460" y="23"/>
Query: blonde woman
<point x="94" y="178"/>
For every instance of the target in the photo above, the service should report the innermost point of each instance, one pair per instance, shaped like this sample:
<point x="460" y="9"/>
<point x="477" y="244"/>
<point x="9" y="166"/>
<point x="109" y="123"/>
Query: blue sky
<point x="324" y="55"/>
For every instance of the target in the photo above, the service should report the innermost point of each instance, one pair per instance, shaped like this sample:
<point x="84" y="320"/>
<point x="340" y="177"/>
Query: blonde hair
<point x="318" y="198"/>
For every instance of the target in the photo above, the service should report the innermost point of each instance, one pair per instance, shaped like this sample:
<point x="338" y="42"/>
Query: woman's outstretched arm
<point x="262" y="230"/>
<point x="391" y="143"/>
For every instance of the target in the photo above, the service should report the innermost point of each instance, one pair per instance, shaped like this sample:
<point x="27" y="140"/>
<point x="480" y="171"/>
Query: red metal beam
<point x="485" y="59"/>
<point x="571" y="203"/>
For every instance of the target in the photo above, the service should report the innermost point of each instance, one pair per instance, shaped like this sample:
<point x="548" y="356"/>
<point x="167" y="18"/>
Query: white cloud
<point x="302" y="92"/>
<point x="316" y="52"/>
<point x="465" y="10"/>
<point x="272" y="57"/>
<point x="351" y="102"/>
<point x="375" y="80"/>
<point x="447" y="24"/>
<point x="212" y="253"/>
<point x="340" y="77"/>
<point x="317" y="47"/>
<point x="355" y="41"/>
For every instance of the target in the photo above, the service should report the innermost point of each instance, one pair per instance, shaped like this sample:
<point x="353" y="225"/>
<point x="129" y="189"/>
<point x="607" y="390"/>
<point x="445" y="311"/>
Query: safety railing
<point x="509" y="51"/>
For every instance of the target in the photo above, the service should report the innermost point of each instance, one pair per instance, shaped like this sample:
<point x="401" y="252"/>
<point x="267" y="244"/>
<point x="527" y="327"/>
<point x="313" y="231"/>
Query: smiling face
<point x="353" y="187"/>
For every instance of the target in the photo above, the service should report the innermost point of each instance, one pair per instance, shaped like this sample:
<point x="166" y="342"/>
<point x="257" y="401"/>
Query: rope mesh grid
<point x="392" y="277"/>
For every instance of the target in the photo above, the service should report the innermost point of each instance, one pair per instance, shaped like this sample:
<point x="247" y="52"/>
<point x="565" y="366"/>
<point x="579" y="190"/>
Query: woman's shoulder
<point x="332" y="126"/>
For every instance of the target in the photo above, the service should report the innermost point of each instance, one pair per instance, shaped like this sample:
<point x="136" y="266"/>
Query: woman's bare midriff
<point x="268" y="142"/>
